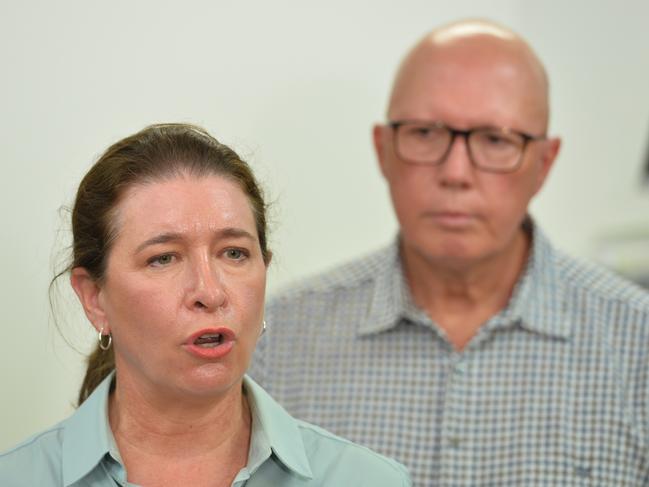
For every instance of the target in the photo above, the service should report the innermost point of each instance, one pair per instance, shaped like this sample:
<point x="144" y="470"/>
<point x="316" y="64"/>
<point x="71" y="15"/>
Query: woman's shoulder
<point x="338" y="461"/>
<point x="35" y="461"/>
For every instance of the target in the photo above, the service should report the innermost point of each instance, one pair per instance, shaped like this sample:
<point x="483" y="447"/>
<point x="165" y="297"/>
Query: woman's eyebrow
<point x="234" y="232"/>
<point x="159" y="239"/>
<point x="228" y="232"/>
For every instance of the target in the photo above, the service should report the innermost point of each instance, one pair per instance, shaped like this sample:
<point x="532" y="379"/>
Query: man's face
<point x="453" y="213"/>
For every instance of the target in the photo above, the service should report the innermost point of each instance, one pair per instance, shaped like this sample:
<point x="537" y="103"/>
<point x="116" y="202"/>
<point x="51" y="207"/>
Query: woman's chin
<point x="212" y="380"/>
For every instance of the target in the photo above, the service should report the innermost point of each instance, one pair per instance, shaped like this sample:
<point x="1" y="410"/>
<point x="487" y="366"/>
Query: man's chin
<point x="457" y="251"/>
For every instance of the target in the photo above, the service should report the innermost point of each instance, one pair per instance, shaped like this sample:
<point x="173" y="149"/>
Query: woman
<point x="169" y="263"/>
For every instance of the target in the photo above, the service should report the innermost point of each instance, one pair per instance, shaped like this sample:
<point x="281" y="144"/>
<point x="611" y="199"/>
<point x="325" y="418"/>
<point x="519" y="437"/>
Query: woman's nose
<point x="206" y="290"/>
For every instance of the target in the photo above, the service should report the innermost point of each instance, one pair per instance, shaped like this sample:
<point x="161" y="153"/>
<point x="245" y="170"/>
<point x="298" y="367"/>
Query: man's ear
<point x="548" y="156"/>
<point x="379" y="135"/>
<point x="88" y="291"/>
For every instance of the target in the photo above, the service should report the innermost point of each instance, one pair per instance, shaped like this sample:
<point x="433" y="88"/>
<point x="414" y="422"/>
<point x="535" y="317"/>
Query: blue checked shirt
<point x="552" y="391"/>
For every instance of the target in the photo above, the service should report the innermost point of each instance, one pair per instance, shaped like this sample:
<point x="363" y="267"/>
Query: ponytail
<point x="100" y="364"/>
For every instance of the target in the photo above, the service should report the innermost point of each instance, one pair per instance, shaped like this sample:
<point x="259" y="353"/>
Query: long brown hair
<point x="157" y="152"/>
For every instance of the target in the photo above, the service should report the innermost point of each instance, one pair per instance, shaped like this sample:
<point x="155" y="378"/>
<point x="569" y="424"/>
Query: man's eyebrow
<point x="228" y="232"/>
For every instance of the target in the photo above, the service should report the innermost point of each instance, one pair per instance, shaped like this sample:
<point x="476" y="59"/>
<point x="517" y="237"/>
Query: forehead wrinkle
<point x="173" y="237"/>
<point x="193" y="229"/>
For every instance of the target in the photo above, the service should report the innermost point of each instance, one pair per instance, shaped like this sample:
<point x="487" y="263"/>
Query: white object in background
<point x="626" y="251"/>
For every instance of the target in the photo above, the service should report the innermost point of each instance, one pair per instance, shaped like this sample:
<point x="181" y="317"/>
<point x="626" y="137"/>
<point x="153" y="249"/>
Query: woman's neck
<point x="182" y="441"/>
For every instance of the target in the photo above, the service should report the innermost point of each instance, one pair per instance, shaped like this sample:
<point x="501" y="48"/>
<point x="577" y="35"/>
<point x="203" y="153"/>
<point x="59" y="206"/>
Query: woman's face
<point x="183" y="294"/>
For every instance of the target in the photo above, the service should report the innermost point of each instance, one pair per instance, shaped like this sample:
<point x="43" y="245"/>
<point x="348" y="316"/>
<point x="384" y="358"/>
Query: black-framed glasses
<point x="490" y="149"/>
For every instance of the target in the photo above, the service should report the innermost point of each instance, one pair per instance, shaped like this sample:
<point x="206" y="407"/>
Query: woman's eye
<point x="235" y="254"/>
<point x="161" y="260"/>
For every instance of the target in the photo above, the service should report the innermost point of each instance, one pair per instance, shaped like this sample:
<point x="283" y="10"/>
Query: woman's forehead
<point x="184" y="204"/>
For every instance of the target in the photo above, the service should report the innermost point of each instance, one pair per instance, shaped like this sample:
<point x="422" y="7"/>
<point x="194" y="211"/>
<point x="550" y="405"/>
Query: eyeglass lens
<point x="489" y="148"/>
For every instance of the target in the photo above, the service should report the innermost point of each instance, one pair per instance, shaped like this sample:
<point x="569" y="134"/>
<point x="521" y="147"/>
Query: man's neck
<point x="461" y="298"/>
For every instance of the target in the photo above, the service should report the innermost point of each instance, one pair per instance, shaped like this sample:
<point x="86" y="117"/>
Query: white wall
<point x="294" y="86"/>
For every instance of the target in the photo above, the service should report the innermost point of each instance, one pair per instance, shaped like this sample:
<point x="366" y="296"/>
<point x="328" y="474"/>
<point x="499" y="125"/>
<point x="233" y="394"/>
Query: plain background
<point x="294" y="86"/>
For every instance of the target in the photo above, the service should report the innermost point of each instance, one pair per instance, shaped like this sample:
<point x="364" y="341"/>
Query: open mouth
<point x="209" y="340"/>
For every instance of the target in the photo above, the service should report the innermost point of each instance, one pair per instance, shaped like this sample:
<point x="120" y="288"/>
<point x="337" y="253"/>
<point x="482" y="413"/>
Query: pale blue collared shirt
<point x="81" y="451"/>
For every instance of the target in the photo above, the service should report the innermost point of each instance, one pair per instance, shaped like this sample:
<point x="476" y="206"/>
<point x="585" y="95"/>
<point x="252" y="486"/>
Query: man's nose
<point x="456" y="171"/>
<point x="205" y="290"/>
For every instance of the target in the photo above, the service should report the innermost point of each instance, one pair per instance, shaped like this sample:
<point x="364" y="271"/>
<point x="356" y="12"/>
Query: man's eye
<point x="161" y="260"/>
<point x="420" y="132"/>
<point x="496" y="139"/>
<point x="425" y="133"/>
<point x="235" y="254"/>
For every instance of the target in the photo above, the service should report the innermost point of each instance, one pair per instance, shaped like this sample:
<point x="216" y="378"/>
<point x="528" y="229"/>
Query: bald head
<point x="479" y="59"/>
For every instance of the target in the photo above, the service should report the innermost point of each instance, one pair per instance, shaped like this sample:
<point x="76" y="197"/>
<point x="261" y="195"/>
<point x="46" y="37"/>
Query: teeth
<point x="209" y="340"/>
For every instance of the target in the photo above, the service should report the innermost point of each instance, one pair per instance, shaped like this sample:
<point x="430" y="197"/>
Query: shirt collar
<point x="387" y="302"/>
<point x="272" y="424"/>
<point x="537" y="303"/>
<point x="87" y="435"/>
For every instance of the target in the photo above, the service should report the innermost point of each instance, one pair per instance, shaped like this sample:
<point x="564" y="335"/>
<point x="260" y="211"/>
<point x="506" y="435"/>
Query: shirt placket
<point x="455" y="455"/>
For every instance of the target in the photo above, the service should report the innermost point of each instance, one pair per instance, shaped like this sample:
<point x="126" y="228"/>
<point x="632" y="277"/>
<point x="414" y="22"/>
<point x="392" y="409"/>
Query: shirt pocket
<point x="607" y="450"/>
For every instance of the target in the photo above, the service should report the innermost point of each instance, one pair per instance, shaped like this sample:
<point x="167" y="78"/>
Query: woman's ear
<point x="88" y="290"/>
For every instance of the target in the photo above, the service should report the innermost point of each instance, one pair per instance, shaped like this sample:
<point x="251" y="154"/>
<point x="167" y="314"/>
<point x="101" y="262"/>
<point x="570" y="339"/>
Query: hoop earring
<point x="100" y="339"/>
<point x="263" y="330"/>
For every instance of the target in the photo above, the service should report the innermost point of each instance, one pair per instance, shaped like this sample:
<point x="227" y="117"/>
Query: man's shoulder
<point x="354" y="273"/>
<point x="596" y="281"/>
<point x="347" y="462"/>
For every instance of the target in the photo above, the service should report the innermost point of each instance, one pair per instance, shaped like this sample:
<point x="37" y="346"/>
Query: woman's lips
<point x="210" y="343"/>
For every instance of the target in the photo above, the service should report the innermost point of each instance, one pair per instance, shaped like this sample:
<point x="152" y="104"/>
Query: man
<point x="470" y="349"/>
